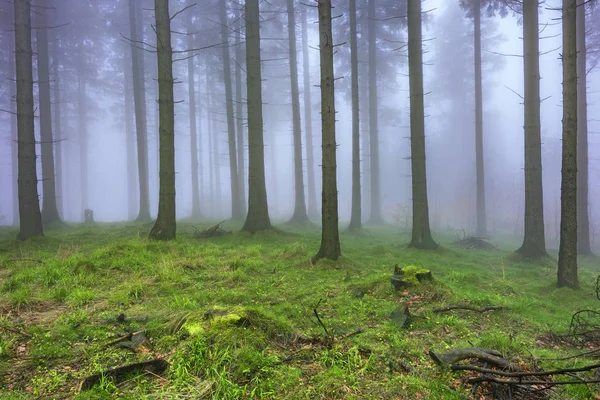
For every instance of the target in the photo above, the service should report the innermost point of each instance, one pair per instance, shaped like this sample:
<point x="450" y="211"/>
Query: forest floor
<point x="236" y="316"/>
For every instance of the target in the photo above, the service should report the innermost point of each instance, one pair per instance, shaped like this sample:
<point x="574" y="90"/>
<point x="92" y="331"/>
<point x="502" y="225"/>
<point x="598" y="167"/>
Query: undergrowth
<point x="235" y="315"/>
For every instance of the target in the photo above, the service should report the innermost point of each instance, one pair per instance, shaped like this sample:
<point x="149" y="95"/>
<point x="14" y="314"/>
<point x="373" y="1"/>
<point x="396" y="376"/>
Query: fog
<point x="90" y="44"/>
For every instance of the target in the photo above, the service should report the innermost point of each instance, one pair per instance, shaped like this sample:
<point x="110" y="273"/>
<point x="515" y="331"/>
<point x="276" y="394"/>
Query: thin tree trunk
<point x="300" y="216"/>
<point x="239" y="113"/>
<point x="375" y="216"/>
<point x="58" y="134"/>
<point x="330" y="237"/>
<point x="257" y="218"/>
<point x="211" y="155"/>
<point x="313" y="212"/>
<point x="356" y="214"/>
<point x="217" y="160"/>
<point x="83" y="139"/>
<point x="196" y="214"/>
<point x="166" y="224"/>
<point x="421" y="233"/>
<point x="30" y="217"/>
<point x="199" y="106"/>
<point x="481" y="229"/>
<point x="534" y="242"/>
<point x="583" y="219"/>
<point x="49" y="208"/>
<point x="141" y="128"/>
<point x="363" y="87"/>
<point x="129" y="143"/>
<point x="567" y="253"/>
<point x="14" y="148"/>
<point x="237" y="212"/>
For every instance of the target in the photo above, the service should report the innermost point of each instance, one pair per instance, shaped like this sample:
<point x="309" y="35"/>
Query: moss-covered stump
<point x="409" y="276"/>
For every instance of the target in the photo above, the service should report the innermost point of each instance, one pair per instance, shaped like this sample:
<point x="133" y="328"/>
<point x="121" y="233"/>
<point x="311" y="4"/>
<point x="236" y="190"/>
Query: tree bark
<point x="239" y="113"/>
<point x="58" y="134"/>
<point x="567" y="253"/>
<point x="237" y="212"/>
<point x="83" y="139"/>
<point x="165" y="226"/>
<point x="30" y="217"/>
<point x="300" y="216"/>
<point x="129" y="143"/>
<point x="49" y="208"/>
<point x="211" y="153"/>
<point x="141" y="128"/>
<point x="313" y="212"/>
<point x="330" y="238"/>
<point x="421" y="233"/>
<point x="481" y="229"/>
<point x="196" y="213"/>
<point x="14" y="148"/>
<point x="583" y="219"/>
<point x="257" y="218"/>
<point x="534" y="242"/>
<point x="356" y="213"/>
<point x="375" y="216"/>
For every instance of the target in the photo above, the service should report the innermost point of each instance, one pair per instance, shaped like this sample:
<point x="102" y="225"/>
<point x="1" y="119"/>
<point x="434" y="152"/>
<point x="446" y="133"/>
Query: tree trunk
<point x="30" y="217"/>
<point x="356" y="214"/>
<point x="363" y="96"/>
<point x="14" y="142"/>
<point x="129" y="143"/>
<point x="313" y="212"/>
<point x="300" y="216"/>
<point x="196" y="213"/>
<point x="240" y="115"/>
<point x="139" y="98"/>
<point x="49" y="209"/>
<point x="58" y="134"/>
<point x="258" y="210"/>
<point x="567" y="253"/>
<point x="211" y="155"/>
<point x="583" y="219"/>
<point x="534" y="243"/>
<point x="83" y="139"/>
<point x="421" y="233"/>
<point x="330" y="237"/>
<point x="237" y="212"/>
<point x="375" y="216"/>
<point x="216" y="159"/>
<point x="165" y="225"/>
<point x="481" y="229"/>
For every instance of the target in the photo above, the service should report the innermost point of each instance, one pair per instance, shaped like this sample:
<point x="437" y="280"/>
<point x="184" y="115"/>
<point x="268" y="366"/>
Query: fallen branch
<point x="468" y="308"/>
<point x="119" y="374"/>
<point x="488" y="355"/>
<point x="522" y="373"/>
<point x="329" y="337"/>
<point x="521" y="382"/>
<point x="214" y="230"/>
<point x="16" y="331"/>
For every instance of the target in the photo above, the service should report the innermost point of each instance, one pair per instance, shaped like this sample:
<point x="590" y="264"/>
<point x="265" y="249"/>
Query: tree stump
<point x="88" y="216"/>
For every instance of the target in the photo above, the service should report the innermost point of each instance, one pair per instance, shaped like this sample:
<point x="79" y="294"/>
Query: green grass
<point x="246" y="303"/>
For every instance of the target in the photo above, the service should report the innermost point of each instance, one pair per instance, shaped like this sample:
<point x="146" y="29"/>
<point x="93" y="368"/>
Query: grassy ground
<point x="234" y="316"/>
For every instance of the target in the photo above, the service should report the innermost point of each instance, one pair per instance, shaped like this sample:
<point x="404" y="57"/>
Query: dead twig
<point x="468" y="308"/>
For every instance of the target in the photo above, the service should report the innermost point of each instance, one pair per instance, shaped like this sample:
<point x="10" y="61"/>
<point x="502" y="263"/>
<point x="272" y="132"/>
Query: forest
<point x="299" y="199"/>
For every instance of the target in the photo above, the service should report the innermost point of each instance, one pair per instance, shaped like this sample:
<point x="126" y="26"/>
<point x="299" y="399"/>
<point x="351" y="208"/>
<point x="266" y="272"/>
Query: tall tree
<point x="82" y="119"/>
<point x="129" y="141"/>
<point x="239" y="113"/>
<point x="330" y="237"/>
<point x="139" y="98"/>
<point x="257" y="218"/>
<point x="481" y="229"/>
<point x="375" y="216"/>
<point x="14" y="143"/>
<point x="310" y="170"/>
<point x="421" y="232"/>
<point x="165" y="226"/>
<point x="300" y="216"/>
<point x="534" y="242"/>
<point x="196" y="214"/>
<point x="237" y="211"/>
<point x="356" y="214"/>
<point x="49" y="208"/>
<point x="567" y="253"/>
<point x="30" y="217"/>
<point x="583" y="219"/>
<point x="59" y="174"/>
